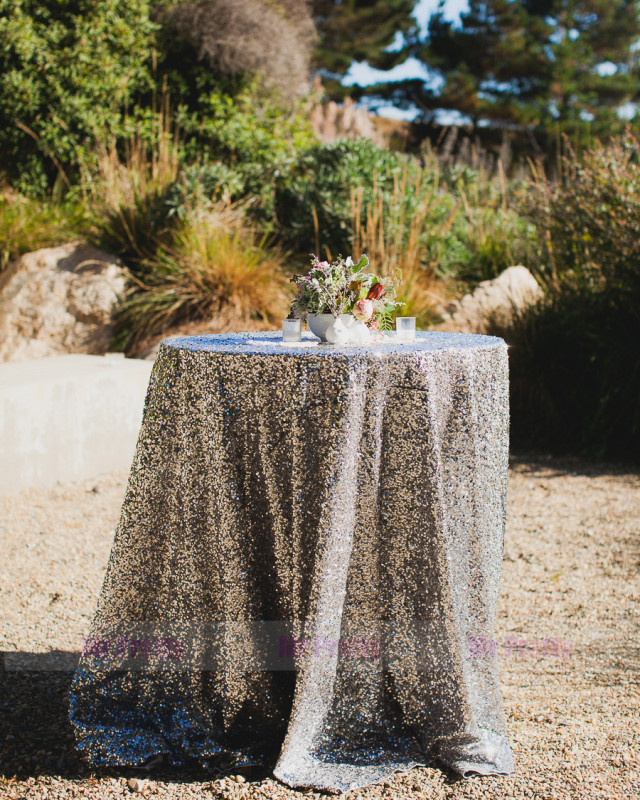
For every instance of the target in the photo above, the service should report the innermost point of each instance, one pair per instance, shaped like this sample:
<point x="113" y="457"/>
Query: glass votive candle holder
<point x="291" y="330"/>
<point x="406" y="328"/>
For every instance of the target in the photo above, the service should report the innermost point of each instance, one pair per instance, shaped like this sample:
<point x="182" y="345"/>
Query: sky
<point x="364" y="75"/>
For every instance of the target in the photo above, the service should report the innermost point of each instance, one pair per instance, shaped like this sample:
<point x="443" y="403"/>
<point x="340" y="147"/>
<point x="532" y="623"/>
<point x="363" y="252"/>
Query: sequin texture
<point x="309" y="547"/>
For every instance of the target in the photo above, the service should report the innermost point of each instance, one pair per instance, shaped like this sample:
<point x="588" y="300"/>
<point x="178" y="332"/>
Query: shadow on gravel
<point x="35" y="734"/>
<point x="36" y="737"/>
<point x="612" y="663"/>
<point x="557" y="466"/>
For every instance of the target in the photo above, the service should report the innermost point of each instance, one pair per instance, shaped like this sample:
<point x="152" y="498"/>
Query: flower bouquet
<point x="342" y="303"/>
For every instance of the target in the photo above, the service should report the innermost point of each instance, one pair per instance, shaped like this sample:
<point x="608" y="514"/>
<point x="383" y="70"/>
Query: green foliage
<point x="66" y="70"/>
<point x="313" y="199"/>
<point x="461" y="223"/>
<point x="575" y="361"/>
<point x="490" y="233"/>
<point x="27" y="224"/>
<point x="248" y="127"/>
<point x="189" y="257"/>
<point x="591" y="216"/>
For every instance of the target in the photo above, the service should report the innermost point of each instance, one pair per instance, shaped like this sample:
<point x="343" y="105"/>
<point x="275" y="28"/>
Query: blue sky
<point x="364" y="75"/>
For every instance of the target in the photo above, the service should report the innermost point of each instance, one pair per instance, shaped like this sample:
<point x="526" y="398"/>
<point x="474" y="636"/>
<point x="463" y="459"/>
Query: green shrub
<point x="589" y="219"/>
<point x="470" y="229"/>
<point x="575" y="360"/>
<point x="490" y="233"/>
<point x="312" y="201"/>
<point x="575" y="375"/>
<point x="66" y="71"/>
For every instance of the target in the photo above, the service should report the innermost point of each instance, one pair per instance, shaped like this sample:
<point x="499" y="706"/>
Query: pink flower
<point x="363" y="310"/>
<point x="323" y="265"/>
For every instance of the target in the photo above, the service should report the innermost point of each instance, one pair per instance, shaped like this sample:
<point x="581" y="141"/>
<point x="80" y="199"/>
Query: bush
<point x="491" y="232"/>
<point x="312" y="200"/>
<point x="590" y="217"/>
<point x="464" y="224"/>
<point x="237" y="38"/>
<point x="66" y="71"/>
<point x="209" y="271"/>
<point x="189" y="258"/>
<point x="575" y="361"/>
<point x="575" y="375"/>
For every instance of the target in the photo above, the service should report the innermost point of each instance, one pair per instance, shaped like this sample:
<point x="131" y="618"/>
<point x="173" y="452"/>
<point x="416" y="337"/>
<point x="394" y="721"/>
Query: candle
<point x="406" y="328"/>
<point x="291" y="330"/>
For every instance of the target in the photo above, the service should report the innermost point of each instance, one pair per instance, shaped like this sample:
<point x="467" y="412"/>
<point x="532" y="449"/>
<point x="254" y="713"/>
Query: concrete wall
<point x="68" y="418"/>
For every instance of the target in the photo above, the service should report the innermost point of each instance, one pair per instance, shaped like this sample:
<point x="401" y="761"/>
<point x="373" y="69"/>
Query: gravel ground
<point x="567" y="639"/>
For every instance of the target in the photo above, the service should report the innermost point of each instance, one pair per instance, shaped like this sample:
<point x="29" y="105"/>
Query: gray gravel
<point x="567" y="639"/>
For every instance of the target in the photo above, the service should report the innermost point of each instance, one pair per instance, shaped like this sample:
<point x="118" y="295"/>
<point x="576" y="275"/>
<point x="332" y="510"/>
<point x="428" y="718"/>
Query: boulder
<point x="58" y="300"/>
<point x="494" y="301"/>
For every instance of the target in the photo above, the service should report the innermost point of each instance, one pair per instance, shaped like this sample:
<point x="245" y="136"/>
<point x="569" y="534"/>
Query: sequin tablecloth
<point x="307" y="563"/>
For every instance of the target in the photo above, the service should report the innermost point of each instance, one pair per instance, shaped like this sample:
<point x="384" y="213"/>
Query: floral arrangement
<point x="343" y="287"/>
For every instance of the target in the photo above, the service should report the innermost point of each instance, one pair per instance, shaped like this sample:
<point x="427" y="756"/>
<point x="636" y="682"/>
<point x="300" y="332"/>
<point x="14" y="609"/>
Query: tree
<point x="67" y="68"/>
<point x="359" y="30"/>
<point x="538" y="66"/>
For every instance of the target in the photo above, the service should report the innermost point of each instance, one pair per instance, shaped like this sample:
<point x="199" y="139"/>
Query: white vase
<point x="343" y="329"/>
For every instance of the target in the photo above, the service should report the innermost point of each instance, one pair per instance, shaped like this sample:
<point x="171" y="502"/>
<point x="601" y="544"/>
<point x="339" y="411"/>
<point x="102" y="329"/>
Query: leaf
<point x="364" y="262"/>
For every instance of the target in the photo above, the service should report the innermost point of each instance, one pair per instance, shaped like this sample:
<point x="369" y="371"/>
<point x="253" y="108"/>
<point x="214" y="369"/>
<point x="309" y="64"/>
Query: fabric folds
<point x="308" y="556"/>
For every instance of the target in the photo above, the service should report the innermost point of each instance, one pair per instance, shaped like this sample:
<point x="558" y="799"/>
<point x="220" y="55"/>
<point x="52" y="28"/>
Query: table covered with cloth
<point x="309" y="547"/>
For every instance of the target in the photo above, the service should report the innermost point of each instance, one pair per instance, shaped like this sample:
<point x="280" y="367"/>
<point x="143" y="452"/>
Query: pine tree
<point x="359" y="30"/>
<point x="538" y="65"/>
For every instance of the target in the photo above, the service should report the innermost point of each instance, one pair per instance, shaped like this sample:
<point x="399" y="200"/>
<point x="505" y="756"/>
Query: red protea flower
<point x="376" y="291"/>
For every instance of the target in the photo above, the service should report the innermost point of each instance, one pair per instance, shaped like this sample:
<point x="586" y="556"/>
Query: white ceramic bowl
<point x="318" y="323"/>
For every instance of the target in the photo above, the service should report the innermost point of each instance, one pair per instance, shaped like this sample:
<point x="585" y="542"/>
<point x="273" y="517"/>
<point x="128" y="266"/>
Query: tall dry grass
<point x="210" y="272"/>
<point x="128" y="188"/>
<point x="393" y="232"/>
<point x="189" y="259"/>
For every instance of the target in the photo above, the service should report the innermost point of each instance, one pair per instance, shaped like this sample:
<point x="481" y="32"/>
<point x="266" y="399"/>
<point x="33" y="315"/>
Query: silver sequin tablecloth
<point x="309" y="552"/>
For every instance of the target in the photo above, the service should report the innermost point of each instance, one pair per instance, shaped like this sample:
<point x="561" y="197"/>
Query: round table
<point x="309" y="547"/>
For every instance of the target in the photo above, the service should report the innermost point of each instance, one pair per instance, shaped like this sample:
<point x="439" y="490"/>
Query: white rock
<point x="58" y="300"/>
<point x="497" y="300"/>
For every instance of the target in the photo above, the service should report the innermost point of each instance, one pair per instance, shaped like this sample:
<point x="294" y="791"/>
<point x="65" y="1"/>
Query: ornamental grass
<point x="575" y="359"/>
<point x="28" y="224"/>
<point x="130" y="193"/>
<point x="210" y="271"/>
<point x="392" y="232"/>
